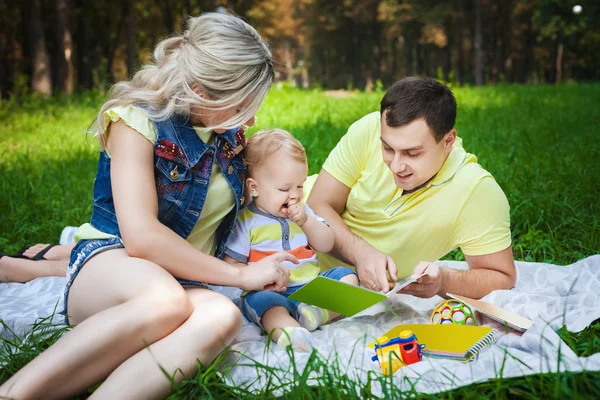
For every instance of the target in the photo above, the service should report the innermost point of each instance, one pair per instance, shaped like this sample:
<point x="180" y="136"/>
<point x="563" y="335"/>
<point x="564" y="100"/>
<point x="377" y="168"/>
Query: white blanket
<point x="550" y="295"/>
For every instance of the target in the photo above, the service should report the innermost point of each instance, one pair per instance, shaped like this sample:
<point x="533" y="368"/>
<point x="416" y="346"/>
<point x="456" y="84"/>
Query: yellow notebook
<point x="455" y="342"/>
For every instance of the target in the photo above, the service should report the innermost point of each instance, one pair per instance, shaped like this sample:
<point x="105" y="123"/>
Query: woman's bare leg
<point x="122" y="304"/>
<point x="211" y="327"/>
<point x="23" y="270"/>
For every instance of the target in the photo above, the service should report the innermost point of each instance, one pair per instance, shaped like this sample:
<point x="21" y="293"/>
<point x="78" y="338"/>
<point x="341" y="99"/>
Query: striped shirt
<point x="258" y="235"/>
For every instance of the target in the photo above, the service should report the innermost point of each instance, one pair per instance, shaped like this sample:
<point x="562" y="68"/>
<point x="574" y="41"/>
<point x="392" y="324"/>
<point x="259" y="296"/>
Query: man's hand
<point x="296" y="211"/>
<point x="373" y="267"/>
<point x="427" y="286"/>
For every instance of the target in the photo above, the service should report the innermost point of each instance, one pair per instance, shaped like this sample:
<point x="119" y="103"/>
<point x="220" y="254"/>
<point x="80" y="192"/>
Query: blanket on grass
<point x="549" y="295"/>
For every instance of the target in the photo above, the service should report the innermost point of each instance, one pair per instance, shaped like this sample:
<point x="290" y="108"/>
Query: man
<point x="399" y="192"/>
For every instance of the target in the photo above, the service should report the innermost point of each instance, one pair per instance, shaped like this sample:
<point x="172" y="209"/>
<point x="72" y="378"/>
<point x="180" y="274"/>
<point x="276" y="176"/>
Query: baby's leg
<point x="273" y="311"/>
<point x="276" y="318"/>
<point x="312" y="317"/>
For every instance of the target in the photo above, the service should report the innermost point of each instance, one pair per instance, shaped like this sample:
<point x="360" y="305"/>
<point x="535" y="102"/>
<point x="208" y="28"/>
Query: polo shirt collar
<point x="456" y="159"/>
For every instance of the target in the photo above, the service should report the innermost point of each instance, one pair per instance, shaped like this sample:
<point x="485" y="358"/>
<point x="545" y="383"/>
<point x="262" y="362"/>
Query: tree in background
<point x="41" y="80"/>
<point x="64" y="68"/>
<point x="76" y="44"/>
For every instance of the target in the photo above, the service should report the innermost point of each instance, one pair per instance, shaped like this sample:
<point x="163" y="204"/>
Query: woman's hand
<point x="268" y="273"/>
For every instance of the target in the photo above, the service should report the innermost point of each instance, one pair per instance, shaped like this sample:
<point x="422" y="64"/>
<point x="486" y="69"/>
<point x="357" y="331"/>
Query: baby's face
<point x="279" y="180"/>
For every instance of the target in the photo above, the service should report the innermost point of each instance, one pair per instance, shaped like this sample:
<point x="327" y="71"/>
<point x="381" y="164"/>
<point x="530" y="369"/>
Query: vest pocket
<point x="174" y="172"/>
<point x="172" y="183"/>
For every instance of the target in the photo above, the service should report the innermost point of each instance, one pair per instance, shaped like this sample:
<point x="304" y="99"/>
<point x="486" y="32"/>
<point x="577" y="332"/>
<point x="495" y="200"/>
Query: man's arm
<point x="486" y="273"/>
<point x="328" y="200"/>
<point x="482" y="228"/>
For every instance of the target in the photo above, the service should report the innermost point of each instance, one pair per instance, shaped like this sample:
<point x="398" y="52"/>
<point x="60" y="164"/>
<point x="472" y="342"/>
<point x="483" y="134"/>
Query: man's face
<point x="412" y="154"/>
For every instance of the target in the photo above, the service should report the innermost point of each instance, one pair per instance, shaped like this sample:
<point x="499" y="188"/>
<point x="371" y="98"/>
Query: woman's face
<point x="216" y="118"/>
<point x="203" y="117"/>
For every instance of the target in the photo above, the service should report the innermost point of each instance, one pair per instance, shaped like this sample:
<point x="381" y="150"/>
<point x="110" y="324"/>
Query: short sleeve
<point x="483" y="225"/>
<point x="310" y="212"/>
<point x="133" y="117"/>
<point x="348" y="159"/>
<point x="238" y="244"/>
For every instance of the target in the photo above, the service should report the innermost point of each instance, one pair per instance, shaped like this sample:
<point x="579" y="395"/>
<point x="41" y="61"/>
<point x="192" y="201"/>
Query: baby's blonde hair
<point x="265" y="143"/>
<point x="222" y="54"/>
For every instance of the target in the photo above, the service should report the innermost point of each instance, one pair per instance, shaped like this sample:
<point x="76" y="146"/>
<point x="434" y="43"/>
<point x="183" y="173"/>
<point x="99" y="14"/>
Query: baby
<point x="277" y="220"/>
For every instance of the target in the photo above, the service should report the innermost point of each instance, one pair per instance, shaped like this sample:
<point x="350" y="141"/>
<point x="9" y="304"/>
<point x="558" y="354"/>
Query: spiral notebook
<point x="453" y="342"/>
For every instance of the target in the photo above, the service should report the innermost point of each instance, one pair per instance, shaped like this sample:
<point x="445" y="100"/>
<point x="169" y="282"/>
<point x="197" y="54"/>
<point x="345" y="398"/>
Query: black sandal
<point x="39" y="255"/>
<point x="14" y="256"/>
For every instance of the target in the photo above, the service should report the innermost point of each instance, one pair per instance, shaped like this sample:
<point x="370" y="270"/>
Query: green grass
<point x="539" y="142"/>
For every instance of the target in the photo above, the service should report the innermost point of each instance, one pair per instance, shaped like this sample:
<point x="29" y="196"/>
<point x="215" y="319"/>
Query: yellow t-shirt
<point x="461" y="207"/>
<point x="220" y="199"/>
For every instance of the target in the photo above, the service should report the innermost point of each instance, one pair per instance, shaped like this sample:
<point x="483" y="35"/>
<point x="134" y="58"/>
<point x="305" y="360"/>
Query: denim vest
<point x="182" y="171"/>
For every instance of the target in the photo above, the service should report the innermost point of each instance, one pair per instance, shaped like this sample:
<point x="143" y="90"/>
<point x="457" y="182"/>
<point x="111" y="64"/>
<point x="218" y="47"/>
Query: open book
<point x="513" y="320"/>
<point x="341" y="297"/>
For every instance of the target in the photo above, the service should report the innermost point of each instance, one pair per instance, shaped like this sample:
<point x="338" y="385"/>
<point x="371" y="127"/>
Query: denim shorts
<point x="255" y="304"/>
<point x="86" y="249"/>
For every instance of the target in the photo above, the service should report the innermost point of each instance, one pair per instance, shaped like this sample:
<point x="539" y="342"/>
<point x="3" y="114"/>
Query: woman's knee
<point x="218" y="316"/>
<point x="228" y="319"/>
<point x="168" y="306"/>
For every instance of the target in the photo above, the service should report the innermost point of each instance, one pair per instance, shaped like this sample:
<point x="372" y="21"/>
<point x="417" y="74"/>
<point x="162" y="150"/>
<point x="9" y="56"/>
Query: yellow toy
<point x="453" y="312"/>
<point x="388" y="351"/>
<point x="399" y="351"/>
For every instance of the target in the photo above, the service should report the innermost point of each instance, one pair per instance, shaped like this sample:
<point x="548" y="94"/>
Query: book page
<point x="402" y="283"/>
<point x="513" y="320"/>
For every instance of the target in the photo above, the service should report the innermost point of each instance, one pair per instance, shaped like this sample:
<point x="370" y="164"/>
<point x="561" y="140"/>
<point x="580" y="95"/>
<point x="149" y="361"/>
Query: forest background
<point x="68" y="45"/>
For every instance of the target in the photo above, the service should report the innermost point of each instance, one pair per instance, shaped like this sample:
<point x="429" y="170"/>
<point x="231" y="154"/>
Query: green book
<point x="341" y="297"/>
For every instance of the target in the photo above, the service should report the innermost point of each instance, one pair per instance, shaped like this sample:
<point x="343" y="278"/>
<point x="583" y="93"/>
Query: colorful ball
<point x="453" y="312"/>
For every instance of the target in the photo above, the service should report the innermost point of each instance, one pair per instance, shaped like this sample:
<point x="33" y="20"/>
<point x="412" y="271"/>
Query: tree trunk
<point x="408" y="50"/>
<point x="419" y="56"/>
<point x="477" y="44"/>
<point x="41" y="81"/>
<point x="529" y="44"/>
<point x="65" y="70"/>
<point x="131" y="39"/>
<point x="458" y="37"/>
<point x="447" y="52"/>
<point x="492" y="59"/>
<point x="559" y="60"/>
<point x="505" y="49"/>
<point x="167" y="13"/>
<point x="287" y="59"/>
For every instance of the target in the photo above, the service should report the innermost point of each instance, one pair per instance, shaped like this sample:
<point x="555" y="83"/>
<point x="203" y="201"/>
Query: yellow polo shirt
<point x="461" y="207"/>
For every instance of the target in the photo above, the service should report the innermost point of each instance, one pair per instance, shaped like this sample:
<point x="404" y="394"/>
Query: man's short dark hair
<point x="417" y="97"/>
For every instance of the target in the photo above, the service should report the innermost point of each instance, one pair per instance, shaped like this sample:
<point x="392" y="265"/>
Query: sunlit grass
<point x="539" y="142"/>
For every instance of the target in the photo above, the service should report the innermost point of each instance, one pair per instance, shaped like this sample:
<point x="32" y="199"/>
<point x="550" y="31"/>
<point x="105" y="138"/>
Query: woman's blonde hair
<point x="265" y="143"/>
<point x="220" y="53"/>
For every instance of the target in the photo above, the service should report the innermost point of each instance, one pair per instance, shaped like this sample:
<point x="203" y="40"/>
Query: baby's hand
<point x="297" y="212"/>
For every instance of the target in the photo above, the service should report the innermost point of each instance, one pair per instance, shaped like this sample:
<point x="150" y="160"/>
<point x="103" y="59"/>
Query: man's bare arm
<point x="486" y="273"/>
<point x="328" y="200"/>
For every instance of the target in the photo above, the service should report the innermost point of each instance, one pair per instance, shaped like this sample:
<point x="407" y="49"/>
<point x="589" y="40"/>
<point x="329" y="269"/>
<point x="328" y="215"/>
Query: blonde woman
<point x="166" y="197"/>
